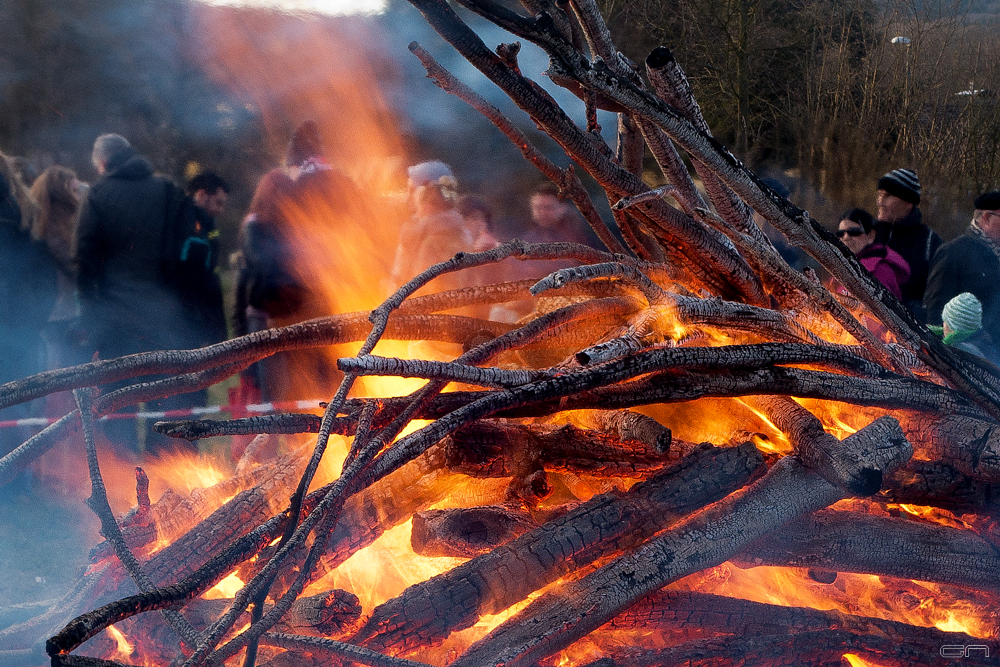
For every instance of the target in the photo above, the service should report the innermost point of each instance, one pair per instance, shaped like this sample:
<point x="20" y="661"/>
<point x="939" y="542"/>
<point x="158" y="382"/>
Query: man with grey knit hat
<point x="900" y="226"/>
<point x="970" y="263"/>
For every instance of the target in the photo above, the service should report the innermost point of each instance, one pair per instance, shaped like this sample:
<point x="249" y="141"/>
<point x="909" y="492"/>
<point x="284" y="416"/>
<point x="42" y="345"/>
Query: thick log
<point x="427" y="613"/>
<point x="886" y="546"/>
<point x="940" y="485"/>
<point x="685" y="615"/>
<point x="971" y="446"/>
<point x="468" y="532"/>
<point x="819" y="648"/>
<point x="858" y="473"/>
<point x="501" y="448"/>
<point x="330" y="614"/>
<point x="708" y="538"/>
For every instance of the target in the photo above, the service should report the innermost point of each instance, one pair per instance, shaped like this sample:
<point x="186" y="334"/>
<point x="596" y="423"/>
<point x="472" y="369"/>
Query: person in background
<point x="27" y="295"/>
<point x="900" y="226"/>
<point x="435" y="231"/>
<point x="478" y="216"/>
<point x="554" y="219"/>
<point x="203" y="296"/>
<point x="970" y="263"/>
<point x="129" y="300"/>
<point x="961" y="327"/>
<point x="280" y="281"/>
<point x="59" y="194"/>
<point x="856" y="231"/>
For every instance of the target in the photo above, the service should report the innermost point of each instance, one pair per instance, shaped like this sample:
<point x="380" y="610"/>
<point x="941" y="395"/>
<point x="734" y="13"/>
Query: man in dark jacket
<point x="202" y="292"/>
<point x="127" y="305"/>
<point x="970" y="263"/>
<point x="900" y="226"/>
<point x="128" y="301"/>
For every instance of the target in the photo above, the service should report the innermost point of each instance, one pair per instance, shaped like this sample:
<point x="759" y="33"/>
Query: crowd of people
<point x="944" y="285"/>
<point x="130" y="263"/>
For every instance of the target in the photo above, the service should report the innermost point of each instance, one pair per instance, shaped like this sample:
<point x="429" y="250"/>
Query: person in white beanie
<point x="962" y="326"/>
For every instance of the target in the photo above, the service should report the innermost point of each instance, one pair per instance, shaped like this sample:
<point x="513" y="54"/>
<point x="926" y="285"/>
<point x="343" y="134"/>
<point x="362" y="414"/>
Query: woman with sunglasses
<point x="857" y="231"/>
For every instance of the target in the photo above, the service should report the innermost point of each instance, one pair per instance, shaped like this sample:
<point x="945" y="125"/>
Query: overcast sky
<point x="332" y="7"/>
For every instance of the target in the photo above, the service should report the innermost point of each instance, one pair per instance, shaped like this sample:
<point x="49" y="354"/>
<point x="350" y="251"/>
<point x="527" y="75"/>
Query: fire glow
<point x="562" y="480"/>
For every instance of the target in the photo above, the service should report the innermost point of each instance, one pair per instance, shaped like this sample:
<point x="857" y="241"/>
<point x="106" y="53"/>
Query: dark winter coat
<point x="966" y="264"/>
<point x="127" y="305"/>
<point x="887" y="265"/>
<point x="917" y="243"/>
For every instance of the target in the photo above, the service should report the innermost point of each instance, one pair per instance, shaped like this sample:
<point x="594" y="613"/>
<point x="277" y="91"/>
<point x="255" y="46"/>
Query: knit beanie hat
<point x="963" y="315"/>
<point x="903" y="183"/>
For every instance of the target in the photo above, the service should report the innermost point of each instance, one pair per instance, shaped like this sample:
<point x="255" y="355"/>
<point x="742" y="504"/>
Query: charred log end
<point x="866" y="483"/>
<point x="185" y="430"/>
<point x="336" y="612"/>
<point x="530" y="488"/>
<point x="659" y="57"/>
<point x="822" y="576"/>
<point x="583" y="358"/>
<point x="663" y="442"/>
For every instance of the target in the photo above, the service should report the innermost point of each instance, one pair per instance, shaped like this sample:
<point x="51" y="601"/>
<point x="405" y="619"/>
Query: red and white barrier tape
<point x="253" y="408"/>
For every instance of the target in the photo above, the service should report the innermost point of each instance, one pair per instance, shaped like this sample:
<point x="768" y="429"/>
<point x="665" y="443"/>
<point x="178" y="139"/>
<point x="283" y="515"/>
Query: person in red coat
<point x="857" y="231"/>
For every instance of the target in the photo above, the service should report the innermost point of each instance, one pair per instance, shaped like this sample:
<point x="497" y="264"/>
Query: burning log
<point x="330" y="614"/>
<point x="709" y="537"/>
<point x="854" y="542"/>
<point x="491" y="448"/>
<point x="425" y="614"/>
<point x="697" y="304"/>
<point x="468" y="532"/>
<point x="821" y="647"/>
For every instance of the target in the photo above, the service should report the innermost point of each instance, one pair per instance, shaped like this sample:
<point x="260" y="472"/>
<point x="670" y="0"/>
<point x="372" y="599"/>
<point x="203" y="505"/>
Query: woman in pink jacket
<point x="856" y="231"/>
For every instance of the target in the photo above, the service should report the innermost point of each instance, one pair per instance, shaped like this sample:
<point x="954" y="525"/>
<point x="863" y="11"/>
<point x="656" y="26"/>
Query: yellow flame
<point x="225" y="589"/>
<point x="125" y="648"/>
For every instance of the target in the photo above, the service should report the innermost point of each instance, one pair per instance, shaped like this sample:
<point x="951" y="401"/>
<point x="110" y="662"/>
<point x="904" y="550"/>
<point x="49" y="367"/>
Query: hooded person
<point x="900" y="226"/>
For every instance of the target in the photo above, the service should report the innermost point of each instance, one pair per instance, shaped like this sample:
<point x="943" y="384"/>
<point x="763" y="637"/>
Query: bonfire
<point x="689" y="454"/>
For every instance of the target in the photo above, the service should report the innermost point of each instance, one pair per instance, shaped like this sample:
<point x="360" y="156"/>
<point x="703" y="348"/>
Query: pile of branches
<point x="633" y="331"/>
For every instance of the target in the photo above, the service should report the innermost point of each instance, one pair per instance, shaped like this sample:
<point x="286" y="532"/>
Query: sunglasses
<point x="853" y="232"/>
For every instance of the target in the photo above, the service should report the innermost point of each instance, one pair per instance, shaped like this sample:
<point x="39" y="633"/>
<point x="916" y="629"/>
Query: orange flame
<point x="125" y="648"/>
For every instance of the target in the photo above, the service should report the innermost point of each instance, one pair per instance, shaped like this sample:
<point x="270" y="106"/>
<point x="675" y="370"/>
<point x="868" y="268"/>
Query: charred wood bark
<point x="971" y="446"/>
<point x="861" y="543"/>
<point x="818" y="648"/>
<point x="331" y="614"/>
<point x="689" y="615"/>
<point x="427" y="613"/>
<point x="500" y="448"/>
<point x="940" y="485"/>
<point x="708" y="538"/>
<point x="468" y="532"/>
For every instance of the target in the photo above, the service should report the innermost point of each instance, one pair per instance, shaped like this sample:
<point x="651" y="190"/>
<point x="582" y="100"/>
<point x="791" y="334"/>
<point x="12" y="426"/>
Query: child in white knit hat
<point x="962" y="328"/>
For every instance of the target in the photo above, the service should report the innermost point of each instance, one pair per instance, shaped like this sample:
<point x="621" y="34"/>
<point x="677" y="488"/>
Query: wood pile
<point x="689" y="305"/>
